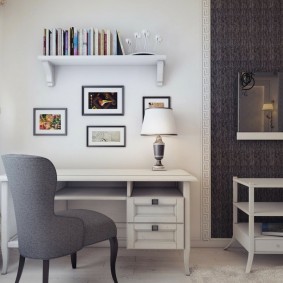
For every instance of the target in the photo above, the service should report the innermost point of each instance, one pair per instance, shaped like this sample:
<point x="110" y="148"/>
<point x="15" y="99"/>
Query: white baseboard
<point x="212" y="243"/>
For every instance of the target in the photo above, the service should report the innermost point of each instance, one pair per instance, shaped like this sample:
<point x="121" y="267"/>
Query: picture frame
<point x="50" y="121"/>
<point x="103" y="100"/>
<point x="155" y="101"/>
<point x="106" y="136"/>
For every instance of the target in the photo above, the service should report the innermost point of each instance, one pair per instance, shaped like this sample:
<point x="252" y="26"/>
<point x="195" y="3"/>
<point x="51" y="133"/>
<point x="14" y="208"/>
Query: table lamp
<point x="158" y="121"/>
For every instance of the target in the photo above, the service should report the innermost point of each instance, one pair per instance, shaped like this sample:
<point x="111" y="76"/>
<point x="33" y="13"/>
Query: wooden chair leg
<point x="45" y="271"/>
<point x="114" y="250"/>
<point x="20" y="268"/>
<point x="74" y="260"/>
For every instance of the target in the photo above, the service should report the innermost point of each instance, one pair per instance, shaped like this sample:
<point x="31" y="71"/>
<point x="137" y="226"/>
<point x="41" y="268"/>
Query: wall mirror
<point x="260" y="106"/>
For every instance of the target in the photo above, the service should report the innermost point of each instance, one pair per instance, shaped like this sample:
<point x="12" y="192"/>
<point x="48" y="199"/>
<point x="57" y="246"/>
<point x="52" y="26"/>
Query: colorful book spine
<point x="81" y="41"/>
<point x="76" y="45"/>
<point x="44" y="41"/>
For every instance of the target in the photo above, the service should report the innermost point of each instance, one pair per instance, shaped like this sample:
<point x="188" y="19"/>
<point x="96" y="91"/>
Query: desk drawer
<point x="155" y="236"/>
<point x="163" y="210"/>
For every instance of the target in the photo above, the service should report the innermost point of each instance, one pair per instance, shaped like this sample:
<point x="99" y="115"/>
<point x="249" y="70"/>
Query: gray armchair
<point x="42" y="234"/>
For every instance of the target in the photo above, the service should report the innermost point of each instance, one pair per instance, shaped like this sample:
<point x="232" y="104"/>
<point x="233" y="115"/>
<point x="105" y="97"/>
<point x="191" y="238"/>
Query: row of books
<point x="81" y="41"/>
<point x="272" y="229"/>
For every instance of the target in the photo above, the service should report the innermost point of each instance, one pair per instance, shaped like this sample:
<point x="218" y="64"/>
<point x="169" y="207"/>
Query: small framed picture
<point x="155" y="101"/>
<point x="50" y="121"/>
<point x="103" y="100"/>
<point x="106" y="136"/>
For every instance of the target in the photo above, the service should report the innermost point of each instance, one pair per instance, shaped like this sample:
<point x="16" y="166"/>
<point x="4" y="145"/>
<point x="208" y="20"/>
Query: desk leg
<point x="4" y="226"/>
<point x="186" y="193"/>
<point x="8" y="225"/>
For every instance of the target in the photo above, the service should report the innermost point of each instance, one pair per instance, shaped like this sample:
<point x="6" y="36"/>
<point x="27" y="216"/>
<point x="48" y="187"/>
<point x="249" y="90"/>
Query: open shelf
<point x="91" y="193"/>
<point x="262" y="208"/>
<point x="50" y="62"/>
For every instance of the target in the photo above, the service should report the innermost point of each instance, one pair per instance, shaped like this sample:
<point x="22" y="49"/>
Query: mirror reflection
<point x="260" y="102"/>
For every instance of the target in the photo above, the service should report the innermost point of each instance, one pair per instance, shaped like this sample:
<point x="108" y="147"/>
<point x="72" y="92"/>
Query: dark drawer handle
<point x="154" y="201"/>
<point x="154" y="227"/>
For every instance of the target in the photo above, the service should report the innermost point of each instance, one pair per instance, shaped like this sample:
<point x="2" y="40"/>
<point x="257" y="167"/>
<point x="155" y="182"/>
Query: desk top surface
<point x="120" y="175"/>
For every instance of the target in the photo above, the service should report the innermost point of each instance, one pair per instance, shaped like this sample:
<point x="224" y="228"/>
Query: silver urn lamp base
<point x="158" y="149"/>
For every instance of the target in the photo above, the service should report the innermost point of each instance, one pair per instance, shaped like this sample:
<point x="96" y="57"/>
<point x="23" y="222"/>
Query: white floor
<point x="207" y="265"/>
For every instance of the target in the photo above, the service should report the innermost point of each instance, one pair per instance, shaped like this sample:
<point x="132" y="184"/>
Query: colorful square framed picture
<point x="106" y="136"/>
<point x="50" y="121"/>
<point x="155" y="101"/>
<point x="103" y="100"/>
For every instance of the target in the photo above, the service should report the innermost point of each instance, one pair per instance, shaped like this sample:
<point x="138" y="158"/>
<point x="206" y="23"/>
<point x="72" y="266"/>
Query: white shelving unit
<point x="50" y="62"/>
<point x="249" y="234"/>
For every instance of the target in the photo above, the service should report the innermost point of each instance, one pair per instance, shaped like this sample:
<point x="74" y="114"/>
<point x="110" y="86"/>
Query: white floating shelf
<point x="49" y="63"/>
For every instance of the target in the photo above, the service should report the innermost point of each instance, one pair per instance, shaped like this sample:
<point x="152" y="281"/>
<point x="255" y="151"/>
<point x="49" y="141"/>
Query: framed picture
<point x="155" y="101"/>
<point x="106" y="136"/>
<point x="103" y="100"/>
<point x="50" y="121"/>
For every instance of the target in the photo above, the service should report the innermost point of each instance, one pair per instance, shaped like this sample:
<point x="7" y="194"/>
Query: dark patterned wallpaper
<point x="245" y="35"/>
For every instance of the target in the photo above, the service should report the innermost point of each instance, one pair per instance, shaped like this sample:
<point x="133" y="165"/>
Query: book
<point x="114" y="43"/>
<point x="272" y="229"/>
<point x="96" y="42"/>
<point x="84" y="35"/>
<point x="108" y="42"/>
<point x="120" y="47"/>
<point x="59" y="41"/>
<point x="80" y="41"/>
<point x="90" y="42"/>
<point x="71" y="41"/>
<point x="66" y="42"/>
<point x="102" y="42"/>
<point x="76" y="42"/>
<point x="44" y="41"/>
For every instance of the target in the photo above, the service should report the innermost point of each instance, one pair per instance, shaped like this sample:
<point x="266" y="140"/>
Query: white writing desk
<point x="158" y="205"/>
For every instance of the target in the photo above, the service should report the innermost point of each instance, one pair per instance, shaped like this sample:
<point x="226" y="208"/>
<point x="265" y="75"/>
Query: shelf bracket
<point x="49" y="73"/>
<point x="160" y="72"/>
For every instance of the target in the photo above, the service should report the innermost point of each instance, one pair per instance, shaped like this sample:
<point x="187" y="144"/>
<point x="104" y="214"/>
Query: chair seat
<point x="98" y="227"/>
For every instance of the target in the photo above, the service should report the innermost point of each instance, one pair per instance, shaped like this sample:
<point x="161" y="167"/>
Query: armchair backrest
<point x="32" y="182"/>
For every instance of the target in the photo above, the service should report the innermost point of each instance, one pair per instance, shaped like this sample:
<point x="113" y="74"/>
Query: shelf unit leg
<point x="249" y="262"/>
<point x="230" y="243"/>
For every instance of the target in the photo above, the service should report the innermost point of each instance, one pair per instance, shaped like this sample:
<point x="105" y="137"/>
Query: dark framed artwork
<point x="103" y="100"/>
<point x="50" y="121"/>
<point x="106" y="136"/>
<point x="155" y="101"/>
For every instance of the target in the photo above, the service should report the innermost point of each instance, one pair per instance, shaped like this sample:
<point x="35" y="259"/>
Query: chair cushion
<point x="98" y="227"/>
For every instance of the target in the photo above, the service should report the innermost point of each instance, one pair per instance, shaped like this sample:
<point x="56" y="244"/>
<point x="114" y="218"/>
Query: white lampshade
<point x="267" y="107"/>
<point x="159" y="121"/>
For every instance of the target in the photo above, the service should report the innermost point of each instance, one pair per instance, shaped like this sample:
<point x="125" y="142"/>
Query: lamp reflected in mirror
<point x="269" y="107"/>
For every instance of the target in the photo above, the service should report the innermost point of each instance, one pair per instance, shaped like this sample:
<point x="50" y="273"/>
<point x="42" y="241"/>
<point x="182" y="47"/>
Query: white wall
<point x="179" y="22"/>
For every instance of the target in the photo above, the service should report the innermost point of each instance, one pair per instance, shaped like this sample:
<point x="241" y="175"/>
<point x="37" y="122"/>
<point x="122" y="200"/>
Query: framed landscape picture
<point x="106" y="136"/>
<point x="103" y="100"/>
<point x="155" y="101"/>
<point x="50" y="121"/>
